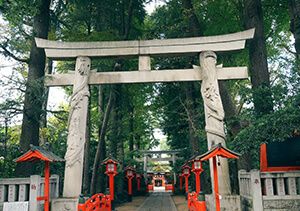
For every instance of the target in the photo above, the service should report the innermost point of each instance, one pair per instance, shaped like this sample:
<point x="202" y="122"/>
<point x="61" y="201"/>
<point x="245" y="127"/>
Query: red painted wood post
<point x="186" y="183"/>
<point x="138" y="184"/>
<point x="216" y="184"/>
<point x="47" y="181"/>
<point x="111" y="186"/>
<point x="130" y="186"/>
<point x="180" y="182"/>
<point x="198" y="183"/>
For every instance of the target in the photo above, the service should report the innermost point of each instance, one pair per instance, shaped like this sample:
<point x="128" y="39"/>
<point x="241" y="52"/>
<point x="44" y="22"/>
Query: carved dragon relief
<point x="210" y="93"/>
<point x="76" y="143"/>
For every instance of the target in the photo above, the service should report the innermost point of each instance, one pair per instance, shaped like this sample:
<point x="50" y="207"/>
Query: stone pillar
<point x="144" y="63"/>
<point x="214" y="116"/>
<point x="2" y="193"/>
<point x="174" y="174"/>
<point x="22" y="192"/>
<point x="12" y="194"/>
<point x="145" y="168"/>
<point x="77" y="129"/>
<point x="256" y="190"/>
<point x="55" y="190"/>
<point x="35" y="186"/>
<point x="269" y="187"/>
<point x="292" y="190"/>
<point x="280" y="186"/>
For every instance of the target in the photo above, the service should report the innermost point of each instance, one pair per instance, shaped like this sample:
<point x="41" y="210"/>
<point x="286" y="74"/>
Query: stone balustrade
<point x="270" y="191"/>
<point x="27" y="190"/>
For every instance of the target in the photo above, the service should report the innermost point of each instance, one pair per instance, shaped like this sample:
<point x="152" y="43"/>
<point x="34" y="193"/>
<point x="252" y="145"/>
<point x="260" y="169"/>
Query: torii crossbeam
<point x="82" y="77"/>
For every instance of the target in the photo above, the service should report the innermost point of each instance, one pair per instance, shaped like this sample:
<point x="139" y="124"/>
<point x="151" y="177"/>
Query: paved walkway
<point x="158" y="201"/>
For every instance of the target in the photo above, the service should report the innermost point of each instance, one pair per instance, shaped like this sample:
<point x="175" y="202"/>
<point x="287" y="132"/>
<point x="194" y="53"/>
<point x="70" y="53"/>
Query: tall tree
<point x="35" y="86"/>
<point x="260" y="77"/>
<point x="294" y="7"/>
<point x="38" y="18"/>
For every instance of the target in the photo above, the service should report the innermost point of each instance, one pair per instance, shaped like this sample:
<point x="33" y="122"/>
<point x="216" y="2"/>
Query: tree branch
<point x="288" y="49"/>
<point x="6" y="52"/>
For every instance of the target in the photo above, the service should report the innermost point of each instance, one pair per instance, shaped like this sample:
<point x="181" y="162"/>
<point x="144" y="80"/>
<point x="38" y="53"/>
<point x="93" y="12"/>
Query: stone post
<point x="292" y="190"/>
<point x="35" y="186"/>
<point x="145" y="168"/>
<point x="214" y="116"/>
<point x="280" y="186"/>
<point x="269" y="187"/>
<point x="174" y="162"/>
<point x="256" y="190"/>
<point x="2" y="193"/>
<point x="56" y="186"/>
<point x="22" y="192"/>
<point x="12" y="194"/>
<point x="77" y="129"/>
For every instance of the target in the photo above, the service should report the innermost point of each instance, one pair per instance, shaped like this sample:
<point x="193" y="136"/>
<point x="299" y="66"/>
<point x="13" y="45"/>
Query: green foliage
<point x="273" y="127"/>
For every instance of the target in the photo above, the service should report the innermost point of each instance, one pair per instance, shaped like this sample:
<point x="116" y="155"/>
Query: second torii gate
<point x="82" y="77"/>
<point x="146" y="159"/>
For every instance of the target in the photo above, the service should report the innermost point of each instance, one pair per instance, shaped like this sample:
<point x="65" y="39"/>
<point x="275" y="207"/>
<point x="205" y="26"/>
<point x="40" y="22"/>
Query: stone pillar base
<point x="64" y="204"/>
<point x="228" y="203"/>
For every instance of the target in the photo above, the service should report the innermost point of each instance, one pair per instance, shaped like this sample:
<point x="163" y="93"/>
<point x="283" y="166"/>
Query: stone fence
<point x="261" y="191"/>
<point x="27" y="190"/>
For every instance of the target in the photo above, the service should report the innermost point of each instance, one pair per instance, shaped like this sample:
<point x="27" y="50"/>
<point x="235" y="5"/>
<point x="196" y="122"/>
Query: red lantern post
<point x="36" y="153"/>
<point x="180" y="182"/>
<point x="129" y="171"/>
<point x="138" y="180"/>
<point x="197" y="170"/>
<point x="111" y="172"/>
<point x="214" y="153"/>
<point x="186" y="173"/>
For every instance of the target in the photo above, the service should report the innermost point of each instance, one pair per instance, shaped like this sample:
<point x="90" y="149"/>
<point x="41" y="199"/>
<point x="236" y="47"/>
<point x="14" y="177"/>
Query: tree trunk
<point x="233" y="124"/>
<point x="86" y="161"/>
<point x="129" y="20"/>
<point x="260" y="78"/>
<point x="194" y="29"/>
<point x="100" y="153"/>
<point x="131" y="130"/>
<point x="35" y="86"/>
<point x="294" y="7"/>
<point x="191" y="111"/>
<point x="43" y="123"/>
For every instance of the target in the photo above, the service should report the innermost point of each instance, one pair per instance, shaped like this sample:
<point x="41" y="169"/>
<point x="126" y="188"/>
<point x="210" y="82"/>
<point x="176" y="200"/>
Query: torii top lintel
<point x="63" y="50"/>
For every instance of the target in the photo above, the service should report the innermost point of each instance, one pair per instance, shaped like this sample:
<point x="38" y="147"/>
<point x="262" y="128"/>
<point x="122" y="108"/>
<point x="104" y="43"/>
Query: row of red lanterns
<point x="186" y="172"/>
<point x="130" y="173"/>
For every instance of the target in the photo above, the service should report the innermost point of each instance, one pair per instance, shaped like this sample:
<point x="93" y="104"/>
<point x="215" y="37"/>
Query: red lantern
<point x="111" y="171"/>
<point x="138" y="179"/>
<point x="197" y="170"/>
<point x="180" y="181"/>
<point x="129" y="171"/>
<point x="217" y="151"/>
<point x="186" y="173"/>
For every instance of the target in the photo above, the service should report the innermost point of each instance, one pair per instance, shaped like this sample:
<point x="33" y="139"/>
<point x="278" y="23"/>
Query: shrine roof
<point x="218" y="150"/>
<point x="110" y="158"/>
<point x="129" y="168"/>
<point x="38" y="153"/>
<point x="186" y="164"/>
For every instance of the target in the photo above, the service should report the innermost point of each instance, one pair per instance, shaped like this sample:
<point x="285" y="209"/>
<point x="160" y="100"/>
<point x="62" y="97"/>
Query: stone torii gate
<point x="147" y="153"/>
<point x="82" y="77"/>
